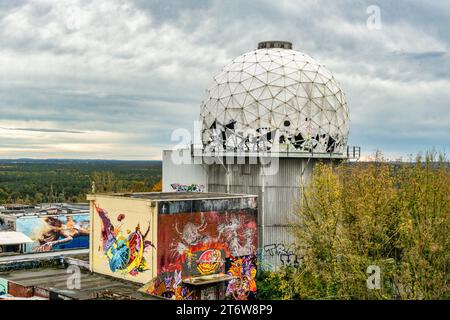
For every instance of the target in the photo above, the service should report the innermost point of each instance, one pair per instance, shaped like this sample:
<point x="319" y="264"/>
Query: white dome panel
<point x="274" y="96"/>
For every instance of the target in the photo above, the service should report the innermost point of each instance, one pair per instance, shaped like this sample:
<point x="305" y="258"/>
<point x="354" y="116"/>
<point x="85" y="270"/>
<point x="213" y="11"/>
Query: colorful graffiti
<point x="194" y="233"/>
<point x="200" y="240"/>
<point x="169" y="285"/>
<point x="243" y="286"/>
<point x="55" y="232"/>
<point x="209" y="261"/>
<point x="239" y="234"/>
<point x="187" y="188"/>
<point x="124" y="250"/>
<point x="191" y="235"/>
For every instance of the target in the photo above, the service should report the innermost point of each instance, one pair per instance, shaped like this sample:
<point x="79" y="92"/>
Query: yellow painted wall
<point x="135" y="212"/>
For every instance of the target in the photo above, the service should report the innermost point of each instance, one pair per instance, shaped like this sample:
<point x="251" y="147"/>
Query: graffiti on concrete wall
<point x="194" y="243"/>
<point x="187" y="187"/>
<point x="191" y="234"/>
<point x="197" y="236"/>
<point x="240" y="240"/>
<point x="285" y="254"/>
<point x="124" y="249"/>
<point x="169" y="285"/>
<point x="55" y="232"/>
<point x="209" y="261"/>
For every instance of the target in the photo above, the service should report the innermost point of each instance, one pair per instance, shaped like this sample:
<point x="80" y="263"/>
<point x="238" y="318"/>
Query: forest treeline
<point x="37" y="181"/>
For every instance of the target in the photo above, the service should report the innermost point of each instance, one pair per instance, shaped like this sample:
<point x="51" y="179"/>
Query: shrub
<point x="352" y="216"/>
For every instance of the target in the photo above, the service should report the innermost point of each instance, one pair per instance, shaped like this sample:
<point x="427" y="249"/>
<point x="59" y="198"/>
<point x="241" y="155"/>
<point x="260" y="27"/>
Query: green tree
<point x="105" y="181"/>
<point x="396" y="217"/>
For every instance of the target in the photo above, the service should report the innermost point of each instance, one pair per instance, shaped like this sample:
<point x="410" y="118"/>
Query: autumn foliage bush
<point x="352" y="216"/>
<point x="157" y="187"/>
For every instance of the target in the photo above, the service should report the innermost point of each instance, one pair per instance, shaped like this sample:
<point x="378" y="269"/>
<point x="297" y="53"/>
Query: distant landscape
<point x="64" y="180"/>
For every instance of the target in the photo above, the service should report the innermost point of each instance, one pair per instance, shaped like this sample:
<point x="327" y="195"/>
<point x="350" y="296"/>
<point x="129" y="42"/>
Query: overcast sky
<point x="112" y="79"/>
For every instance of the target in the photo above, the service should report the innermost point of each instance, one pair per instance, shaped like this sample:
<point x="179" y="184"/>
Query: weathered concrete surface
<point x="42" y="255"/>
<point x="49" y="275"/>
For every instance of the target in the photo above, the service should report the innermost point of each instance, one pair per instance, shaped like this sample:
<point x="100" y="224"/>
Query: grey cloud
<point x="42" y="130"/>
<point x="140" y="70"/>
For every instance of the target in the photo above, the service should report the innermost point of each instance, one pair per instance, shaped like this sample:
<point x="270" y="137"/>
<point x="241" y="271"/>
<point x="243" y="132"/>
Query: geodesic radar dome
<point x="275" y="98"/>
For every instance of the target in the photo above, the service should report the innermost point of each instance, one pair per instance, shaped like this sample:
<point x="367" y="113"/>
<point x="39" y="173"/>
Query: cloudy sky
<point x="112" y="79"/>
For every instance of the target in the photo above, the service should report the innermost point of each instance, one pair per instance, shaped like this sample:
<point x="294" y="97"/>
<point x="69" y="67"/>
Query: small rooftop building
<point x="179" y="245"/>
<point x="13" y="241"/>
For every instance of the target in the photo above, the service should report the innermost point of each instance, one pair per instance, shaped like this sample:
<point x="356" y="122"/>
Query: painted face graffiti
<point x="240" y="243"/>
<point x="191" y="235"/>
<point x="124" y="251"/>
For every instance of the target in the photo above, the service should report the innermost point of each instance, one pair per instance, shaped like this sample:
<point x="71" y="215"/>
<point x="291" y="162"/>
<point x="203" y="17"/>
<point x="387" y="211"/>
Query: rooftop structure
<point x="174" y="196"/>
<point x="8" y="238"/>
<point x="183" y="245"/>
<point x="43" y="209"/>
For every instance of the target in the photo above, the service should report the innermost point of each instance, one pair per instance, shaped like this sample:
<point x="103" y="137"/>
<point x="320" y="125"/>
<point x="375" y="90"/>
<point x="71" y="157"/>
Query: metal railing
<point x="353" y="152"/>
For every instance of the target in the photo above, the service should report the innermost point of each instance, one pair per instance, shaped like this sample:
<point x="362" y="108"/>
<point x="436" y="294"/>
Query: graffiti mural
<point x="243" y="286"/>
<point x="185" y="237"/>
<point x="209" y="261"/>
<point x="191" y="235"/>
<point x="187" y="188"/>
<point x="124" y="250"/>
<point x="240" y="240"/>
<point x="170" y="286"/>
<point x="200" y="240"/>
<point x="55" y="232"/>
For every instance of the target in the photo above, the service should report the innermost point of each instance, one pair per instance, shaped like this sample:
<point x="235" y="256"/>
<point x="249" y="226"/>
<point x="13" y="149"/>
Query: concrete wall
<point x="123" y="238"/>
<point x="276" y="202"/>
<point x="179" y="177"/>
<point x="279" y="190"/>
